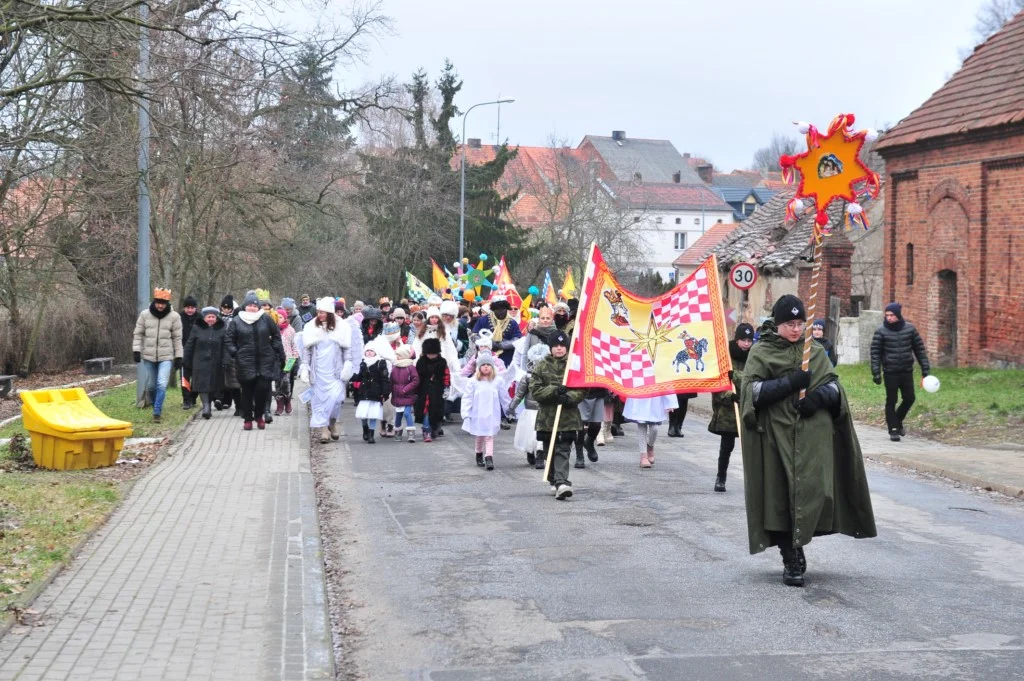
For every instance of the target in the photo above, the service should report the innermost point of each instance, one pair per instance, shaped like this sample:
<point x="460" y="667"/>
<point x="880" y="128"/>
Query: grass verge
<point x="119" y="403"/>
<point x="973" y="407"/>
<point x="45" y="514"/>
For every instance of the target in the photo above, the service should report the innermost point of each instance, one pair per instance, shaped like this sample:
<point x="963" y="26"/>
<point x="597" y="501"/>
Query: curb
<point x="949" y="474"/>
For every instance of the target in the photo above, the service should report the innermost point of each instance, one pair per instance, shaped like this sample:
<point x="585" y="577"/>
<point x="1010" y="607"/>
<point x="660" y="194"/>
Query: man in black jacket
<point x="189" y="317"/>
<point x="893" y="349"/>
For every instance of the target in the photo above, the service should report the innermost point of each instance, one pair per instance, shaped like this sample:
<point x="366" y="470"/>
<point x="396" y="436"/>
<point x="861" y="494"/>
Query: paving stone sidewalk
<point x="210" y="569"/>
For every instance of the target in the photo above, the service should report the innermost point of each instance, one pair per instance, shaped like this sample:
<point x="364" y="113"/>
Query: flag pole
<point x="565" y="376"/>
<point x="812" y="302"/>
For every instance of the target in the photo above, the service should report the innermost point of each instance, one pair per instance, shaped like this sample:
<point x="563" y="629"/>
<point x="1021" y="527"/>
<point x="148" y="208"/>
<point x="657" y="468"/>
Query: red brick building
<point x="954" y="245"/>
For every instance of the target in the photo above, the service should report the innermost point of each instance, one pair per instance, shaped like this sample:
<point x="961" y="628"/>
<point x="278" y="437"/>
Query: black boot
<point x="801" y="560"/>
<point x="480" y="459"/>
<point x="531" y="458"/>
<point x="366" y="432"/>
<point x="720" y="483"/>
<point x="370" y="435"/>
<point x="791" y="574"/>
<point x="588" y="444"/>
<point x="673" y="430"/>
<point x="206" y="405"/>
<point x="540" y="458"/>
<point x="578" y="442"/>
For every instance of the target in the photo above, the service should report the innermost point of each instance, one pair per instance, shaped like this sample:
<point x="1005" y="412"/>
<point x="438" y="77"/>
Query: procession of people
<point x="404" y="364"/>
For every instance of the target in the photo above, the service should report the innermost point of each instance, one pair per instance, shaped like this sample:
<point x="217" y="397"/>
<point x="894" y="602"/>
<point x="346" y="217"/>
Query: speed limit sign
<point x="743" y="275"/>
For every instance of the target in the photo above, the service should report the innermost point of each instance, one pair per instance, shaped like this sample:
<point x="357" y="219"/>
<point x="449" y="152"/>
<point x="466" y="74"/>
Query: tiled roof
<point x="733" y="194"/>
<point x="668" y="196"/>
<point x="987" y="91"/>
<point x="765" y="239"/>
<point x="702" y="247"/>
<point x="737" y="179"/>
<point x="655" y="160"/>
<point x="535" y="172"/>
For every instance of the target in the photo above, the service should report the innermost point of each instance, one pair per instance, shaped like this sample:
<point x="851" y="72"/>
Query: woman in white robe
<point x="327" y="367"/>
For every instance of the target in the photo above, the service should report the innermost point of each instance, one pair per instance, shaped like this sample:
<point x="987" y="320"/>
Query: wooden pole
<point x="812" y="302"/>
<point x="565" y="376"/>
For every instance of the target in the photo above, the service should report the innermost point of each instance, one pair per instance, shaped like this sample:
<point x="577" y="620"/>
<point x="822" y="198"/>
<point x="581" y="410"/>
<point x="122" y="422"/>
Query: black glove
<point x="137" y="356"/>
<point x="799" y="379"/>
<point x="924" y="374"/>
<point x="809" y="404"/>
<point x="877" y="378"/>
<point x="177" y="362"/>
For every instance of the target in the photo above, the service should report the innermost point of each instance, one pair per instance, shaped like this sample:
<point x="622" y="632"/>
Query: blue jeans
<point x="410" y="419"/>
<point x="158" y="374"/>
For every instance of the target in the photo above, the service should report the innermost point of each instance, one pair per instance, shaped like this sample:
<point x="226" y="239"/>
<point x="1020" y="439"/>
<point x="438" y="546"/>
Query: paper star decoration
<point x="650" y="340"/>
<point x="831" y="170"/>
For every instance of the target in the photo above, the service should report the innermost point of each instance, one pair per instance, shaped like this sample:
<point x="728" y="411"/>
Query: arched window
<point x="910" y="264"/>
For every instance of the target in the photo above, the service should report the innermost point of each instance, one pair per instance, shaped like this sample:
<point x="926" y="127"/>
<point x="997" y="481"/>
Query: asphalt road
<point x="444" y="571"/>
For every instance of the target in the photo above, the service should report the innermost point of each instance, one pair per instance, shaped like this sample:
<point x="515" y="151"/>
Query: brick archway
<point x="946" y="302"/>
<point x="949" y="189"/>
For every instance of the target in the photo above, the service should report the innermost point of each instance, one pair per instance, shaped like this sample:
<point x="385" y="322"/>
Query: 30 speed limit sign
<point x="743" y="275"/>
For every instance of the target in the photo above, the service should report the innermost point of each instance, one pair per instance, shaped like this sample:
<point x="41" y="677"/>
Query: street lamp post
<point x="462" y="192"/>
<point x="142" y="278"/>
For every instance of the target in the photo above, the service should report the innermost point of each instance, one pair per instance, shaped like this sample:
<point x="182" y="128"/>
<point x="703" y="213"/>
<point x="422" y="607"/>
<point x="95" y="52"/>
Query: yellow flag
<point x="569" y="287"/>
<point x="440" y="281"/>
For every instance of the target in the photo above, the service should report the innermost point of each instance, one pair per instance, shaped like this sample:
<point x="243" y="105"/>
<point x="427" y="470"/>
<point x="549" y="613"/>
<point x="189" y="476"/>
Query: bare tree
<point x="766" y="159"/>
<point x="993" y="15"/>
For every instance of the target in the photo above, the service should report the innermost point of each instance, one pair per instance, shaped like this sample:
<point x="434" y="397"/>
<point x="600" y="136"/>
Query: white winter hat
<point x="434" y="300"/>
<point x="433" y="312"/>
<point x="450" y="307"/>
<point x="325" y="304"/>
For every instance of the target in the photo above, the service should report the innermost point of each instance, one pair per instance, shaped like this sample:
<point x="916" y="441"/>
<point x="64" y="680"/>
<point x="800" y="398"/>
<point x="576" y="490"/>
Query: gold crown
<point x="162" y="294"/>
<point x="262" y="294"/>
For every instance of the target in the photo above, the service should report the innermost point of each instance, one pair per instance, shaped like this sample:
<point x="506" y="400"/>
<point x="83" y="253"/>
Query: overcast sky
<point x="715" y="78"/>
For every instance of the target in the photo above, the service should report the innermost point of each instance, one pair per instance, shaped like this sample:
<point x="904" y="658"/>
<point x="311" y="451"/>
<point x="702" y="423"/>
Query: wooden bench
<point x="99" y="365"/>
<point x="6" y="385"/>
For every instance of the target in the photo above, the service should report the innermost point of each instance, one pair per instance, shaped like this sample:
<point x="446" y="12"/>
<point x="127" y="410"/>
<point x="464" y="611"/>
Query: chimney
<point x="473" y="142"/>
<point x="706" y="172"/>
<point x="686" y="154"/>
<point x="618" y="135"/>
<point x="677" y="177"/>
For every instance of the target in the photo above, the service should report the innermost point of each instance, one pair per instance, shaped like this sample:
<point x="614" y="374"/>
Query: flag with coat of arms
<point x="645" y="347"/>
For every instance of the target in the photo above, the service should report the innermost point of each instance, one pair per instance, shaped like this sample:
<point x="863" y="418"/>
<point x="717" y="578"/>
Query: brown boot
<point x="325" y="436"/>
<point x="278" y="406"/>
<point x="332" y="430"/>
<point x="287" y="405"/>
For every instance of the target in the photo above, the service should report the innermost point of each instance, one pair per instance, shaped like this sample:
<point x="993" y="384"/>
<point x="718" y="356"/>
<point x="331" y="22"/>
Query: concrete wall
<point x="855" y="333"/>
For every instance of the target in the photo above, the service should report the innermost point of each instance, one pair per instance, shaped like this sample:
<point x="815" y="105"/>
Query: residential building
<point x="687" y="263"/>
<point x="954" y="237"/>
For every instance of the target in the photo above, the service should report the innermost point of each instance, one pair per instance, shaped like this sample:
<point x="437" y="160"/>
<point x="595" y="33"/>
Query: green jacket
<point x="544" y="382"/>
<point x="723" y="412"/>
<point x="800" y="474"/>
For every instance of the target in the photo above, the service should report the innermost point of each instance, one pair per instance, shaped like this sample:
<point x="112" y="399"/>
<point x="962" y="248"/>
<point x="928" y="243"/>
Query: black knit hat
<point x="896" y="309"/>
<point x="189" y="301"/>
<point x="228" y="301"/>
<point x="431" y="346"/>
<point x="574" y="305"/>
<point x="788" y="308"/>
<point x="744" y="332"/>
<point x="558" y="338"/>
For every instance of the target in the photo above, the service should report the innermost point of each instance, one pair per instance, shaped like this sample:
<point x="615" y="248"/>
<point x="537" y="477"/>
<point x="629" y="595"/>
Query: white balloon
<point x="803" y="127"/>
<point x="930" y="384"/>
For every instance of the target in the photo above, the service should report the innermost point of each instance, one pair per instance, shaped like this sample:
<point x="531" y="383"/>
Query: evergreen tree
<point x="308" y="123"/>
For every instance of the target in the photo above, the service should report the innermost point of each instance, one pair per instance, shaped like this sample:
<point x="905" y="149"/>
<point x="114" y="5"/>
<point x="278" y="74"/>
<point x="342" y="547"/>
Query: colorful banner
<point x="644" y="347"/>
<point x="547" y="292"/>
<point x="418" y="291"/>
<point x="568" y="287"/>
<point x="440" y="281"/>
<point x="505" y="286"/>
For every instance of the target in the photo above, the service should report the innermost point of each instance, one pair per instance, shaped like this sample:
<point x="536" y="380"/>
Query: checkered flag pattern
<point x="614" y="358"/>
<point x="687" y="305"/>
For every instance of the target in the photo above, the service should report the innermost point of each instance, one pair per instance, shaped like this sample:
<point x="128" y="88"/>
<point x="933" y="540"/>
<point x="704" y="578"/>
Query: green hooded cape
<point x="804" y="475"/>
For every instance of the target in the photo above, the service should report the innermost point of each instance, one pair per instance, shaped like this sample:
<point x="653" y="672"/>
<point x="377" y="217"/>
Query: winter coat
<point x="255" y="348"/>
<point x="723" y="413"/>
<point x="291" y="350"/>
<point x="374" y="382"/>
<point x="503" y="347"/>
<point x="205" y="355"/>
<point x="523" y="396"/>
<point x="545" y="380"/>
<point x="158" y="336"/>
<point x="434" y="378"/>
<point x="230" y="375"/>
<point x="295" y="320"/>
<point x="187" y="324"/>
<point x="306" y="313"/>
<point x="830" y="350"/>
<point x="405" y="383"/>
<point x="801" y="474"/>
<point x="538" y="335"/>
<point x="893" y="350"/>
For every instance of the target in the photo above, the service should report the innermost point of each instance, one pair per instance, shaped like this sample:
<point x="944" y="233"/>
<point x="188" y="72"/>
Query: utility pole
<point x="142" y="284"/>
<point x="462" y="190"/>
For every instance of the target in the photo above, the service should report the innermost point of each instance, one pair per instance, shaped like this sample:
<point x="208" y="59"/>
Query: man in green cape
<point x="803" y="470"/>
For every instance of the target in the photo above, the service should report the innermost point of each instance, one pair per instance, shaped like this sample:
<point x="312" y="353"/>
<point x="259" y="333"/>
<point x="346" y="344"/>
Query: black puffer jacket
<point x="893" y="350"/>
<point x="256" y="348"/>
<point x="205" y="355"/>
<point x="374" y="382"/>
